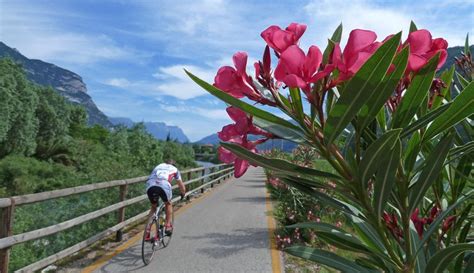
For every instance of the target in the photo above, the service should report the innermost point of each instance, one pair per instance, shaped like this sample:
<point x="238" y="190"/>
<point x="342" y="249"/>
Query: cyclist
<point x="158" y="185"/>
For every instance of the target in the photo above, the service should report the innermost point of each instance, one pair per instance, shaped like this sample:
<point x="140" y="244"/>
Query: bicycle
<point x="156" y="227"/>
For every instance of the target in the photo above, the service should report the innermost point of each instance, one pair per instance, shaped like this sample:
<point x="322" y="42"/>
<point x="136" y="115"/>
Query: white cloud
<point x="176" y="83"/>
<point x="214" y="114"/>
<point x="325" y="15"/>
<point x="118" y="82"/>
<point x="170" y="81"/>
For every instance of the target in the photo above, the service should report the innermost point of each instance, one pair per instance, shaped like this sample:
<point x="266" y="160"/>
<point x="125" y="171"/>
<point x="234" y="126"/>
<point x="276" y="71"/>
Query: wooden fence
<point x="207" y="177"/>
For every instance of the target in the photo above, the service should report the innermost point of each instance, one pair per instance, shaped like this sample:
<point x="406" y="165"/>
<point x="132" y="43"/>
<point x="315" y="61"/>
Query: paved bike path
<point x="226" y="231"/>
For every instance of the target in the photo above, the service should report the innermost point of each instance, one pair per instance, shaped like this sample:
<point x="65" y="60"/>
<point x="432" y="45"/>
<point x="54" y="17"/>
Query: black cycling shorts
<point x="156" y="192"/>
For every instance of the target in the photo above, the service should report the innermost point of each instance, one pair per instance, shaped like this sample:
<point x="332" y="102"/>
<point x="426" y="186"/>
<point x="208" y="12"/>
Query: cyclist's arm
<point x="182" y="187"/>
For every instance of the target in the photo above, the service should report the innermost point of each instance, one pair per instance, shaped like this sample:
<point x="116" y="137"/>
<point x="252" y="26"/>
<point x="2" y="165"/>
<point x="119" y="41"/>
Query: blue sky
<point x="131" y="54"/>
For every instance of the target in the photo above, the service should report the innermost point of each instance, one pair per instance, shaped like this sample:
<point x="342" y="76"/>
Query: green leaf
<point x="462" y="239"/>
<point x="460" y="219"/>
<point x="431" y="170"/>
<point x="325" y="257"/>
<point x="461" y="108"/>
<point x="384" y="90"/>
<point x="385" y="178"/>
<point x="470" y="265"/>
<point x="360" y="88"/>
<point x="252" y="110"/>
<point x="420" y="259"/>
<point x="368" y="235"/>
<point x="336" y="38"/>
<point x="274" y="164"/>
<point x="425" y="120"/>
<point x="462" y="81"/>
<point x="296" y="103"/>
<point x="441" y="260"/>
<point x="334" y="236"/>
<point x="285" y="101"/>
<point x="447" y="78"/>
<point x="372" y="159"/>
<point x="323" y="198"/>
<point x="415" y="94"/>
<point x="284" y="132"/>
<point x="413" y="27"/>
<point x="330" y="100"/>
<point x="411" y="152"/>
<point x="381" y="119"/>
<point x="434" y="225"/>
<point x="300" y="180"/>
<point x="465" y="149"/>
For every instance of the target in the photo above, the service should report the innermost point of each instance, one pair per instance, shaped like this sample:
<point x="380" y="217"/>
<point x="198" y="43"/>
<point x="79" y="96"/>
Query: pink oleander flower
<point x="448" y="223"/>
<point x="235" y="81"/>
<point x="243" y="125"/>
<point x="296" y="69"/>
<point x="423" y="48"/>
<point x="240" y="165"/>
<point x="418" y="222"/>
<point x="391" y="222"/>
<point x="280" y="39"/>
<point x="433" y="214"/>
<point x="360" y="46"/>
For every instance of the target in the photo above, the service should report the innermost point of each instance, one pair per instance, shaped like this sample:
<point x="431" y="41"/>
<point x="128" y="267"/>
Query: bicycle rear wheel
<point x="150" y="242"/>
<point x="165" y="239"/>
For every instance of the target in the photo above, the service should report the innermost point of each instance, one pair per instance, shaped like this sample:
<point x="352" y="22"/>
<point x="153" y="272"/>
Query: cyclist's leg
<point x="169" y="213"/>
<point x="153" y="195"/>
<point x="166" y="195"/>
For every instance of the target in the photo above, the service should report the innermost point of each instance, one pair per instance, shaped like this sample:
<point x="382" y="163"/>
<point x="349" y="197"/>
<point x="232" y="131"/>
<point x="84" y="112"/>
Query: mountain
<point x="211" y="139"/>
<point x="281" y="144"/>
<point x="158" y="129"/>
<point x="65" y="82"/>
<point x="454" y="51"/>
<point x="122" y="121"/>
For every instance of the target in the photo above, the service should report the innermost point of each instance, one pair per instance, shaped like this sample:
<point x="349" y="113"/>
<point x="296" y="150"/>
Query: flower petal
<point x="313" y="61"/>
<point x="358" y="40"/>
<point x="240" y="167"/>
<point x="419" y="41"/>
<point x="240" y="62"/>
<point x="297" y="29"/>
<point x="294" y="59"/>
<point x="228" y="81"/>
<point x="415" y="62"/>
<point x="225" y="155"/>
<point x="228" y="132"/>
<point x="294" y="81"/>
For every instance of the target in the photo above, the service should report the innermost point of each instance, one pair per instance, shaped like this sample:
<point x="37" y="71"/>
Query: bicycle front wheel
<point x="150" y="241"/>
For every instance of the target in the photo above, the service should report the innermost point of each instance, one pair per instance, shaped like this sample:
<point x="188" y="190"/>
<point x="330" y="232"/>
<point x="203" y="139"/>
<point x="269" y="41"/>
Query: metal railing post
<point x="6" y="216"/>
<point x="121" y="212"/>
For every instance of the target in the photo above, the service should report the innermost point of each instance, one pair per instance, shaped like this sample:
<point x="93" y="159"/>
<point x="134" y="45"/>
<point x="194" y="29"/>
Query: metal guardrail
<point x="7" y="208"/>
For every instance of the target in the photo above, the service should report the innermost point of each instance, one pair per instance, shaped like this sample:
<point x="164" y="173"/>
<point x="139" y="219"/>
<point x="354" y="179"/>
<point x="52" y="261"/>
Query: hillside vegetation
<point x="45" y="144"/>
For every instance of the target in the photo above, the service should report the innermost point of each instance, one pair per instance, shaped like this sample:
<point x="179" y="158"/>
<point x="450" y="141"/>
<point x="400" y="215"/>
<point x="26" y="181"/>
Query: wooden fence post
<point x="6" y="217"/>
<point x="121" y="212"/>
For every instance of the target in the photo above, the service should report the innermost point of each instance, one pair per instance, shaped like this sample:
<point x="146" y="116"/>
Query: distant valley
<point x="71" y="86"/>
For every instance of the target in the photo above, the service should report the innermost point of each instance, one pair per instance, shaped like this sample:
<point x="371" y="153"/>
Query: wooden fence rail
<point x="215" y="174"/>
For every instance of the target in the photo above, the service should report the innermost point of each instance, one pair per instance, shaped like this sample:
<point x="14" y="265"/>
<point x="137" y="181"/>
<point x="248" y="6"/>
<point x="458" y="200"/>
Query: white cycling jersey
<point x="162" y="175"/>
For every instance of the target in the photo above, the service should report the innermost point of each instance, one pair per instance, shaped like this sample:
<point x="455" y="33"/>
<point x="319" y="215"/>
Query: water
<point x="204" y="164"/>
